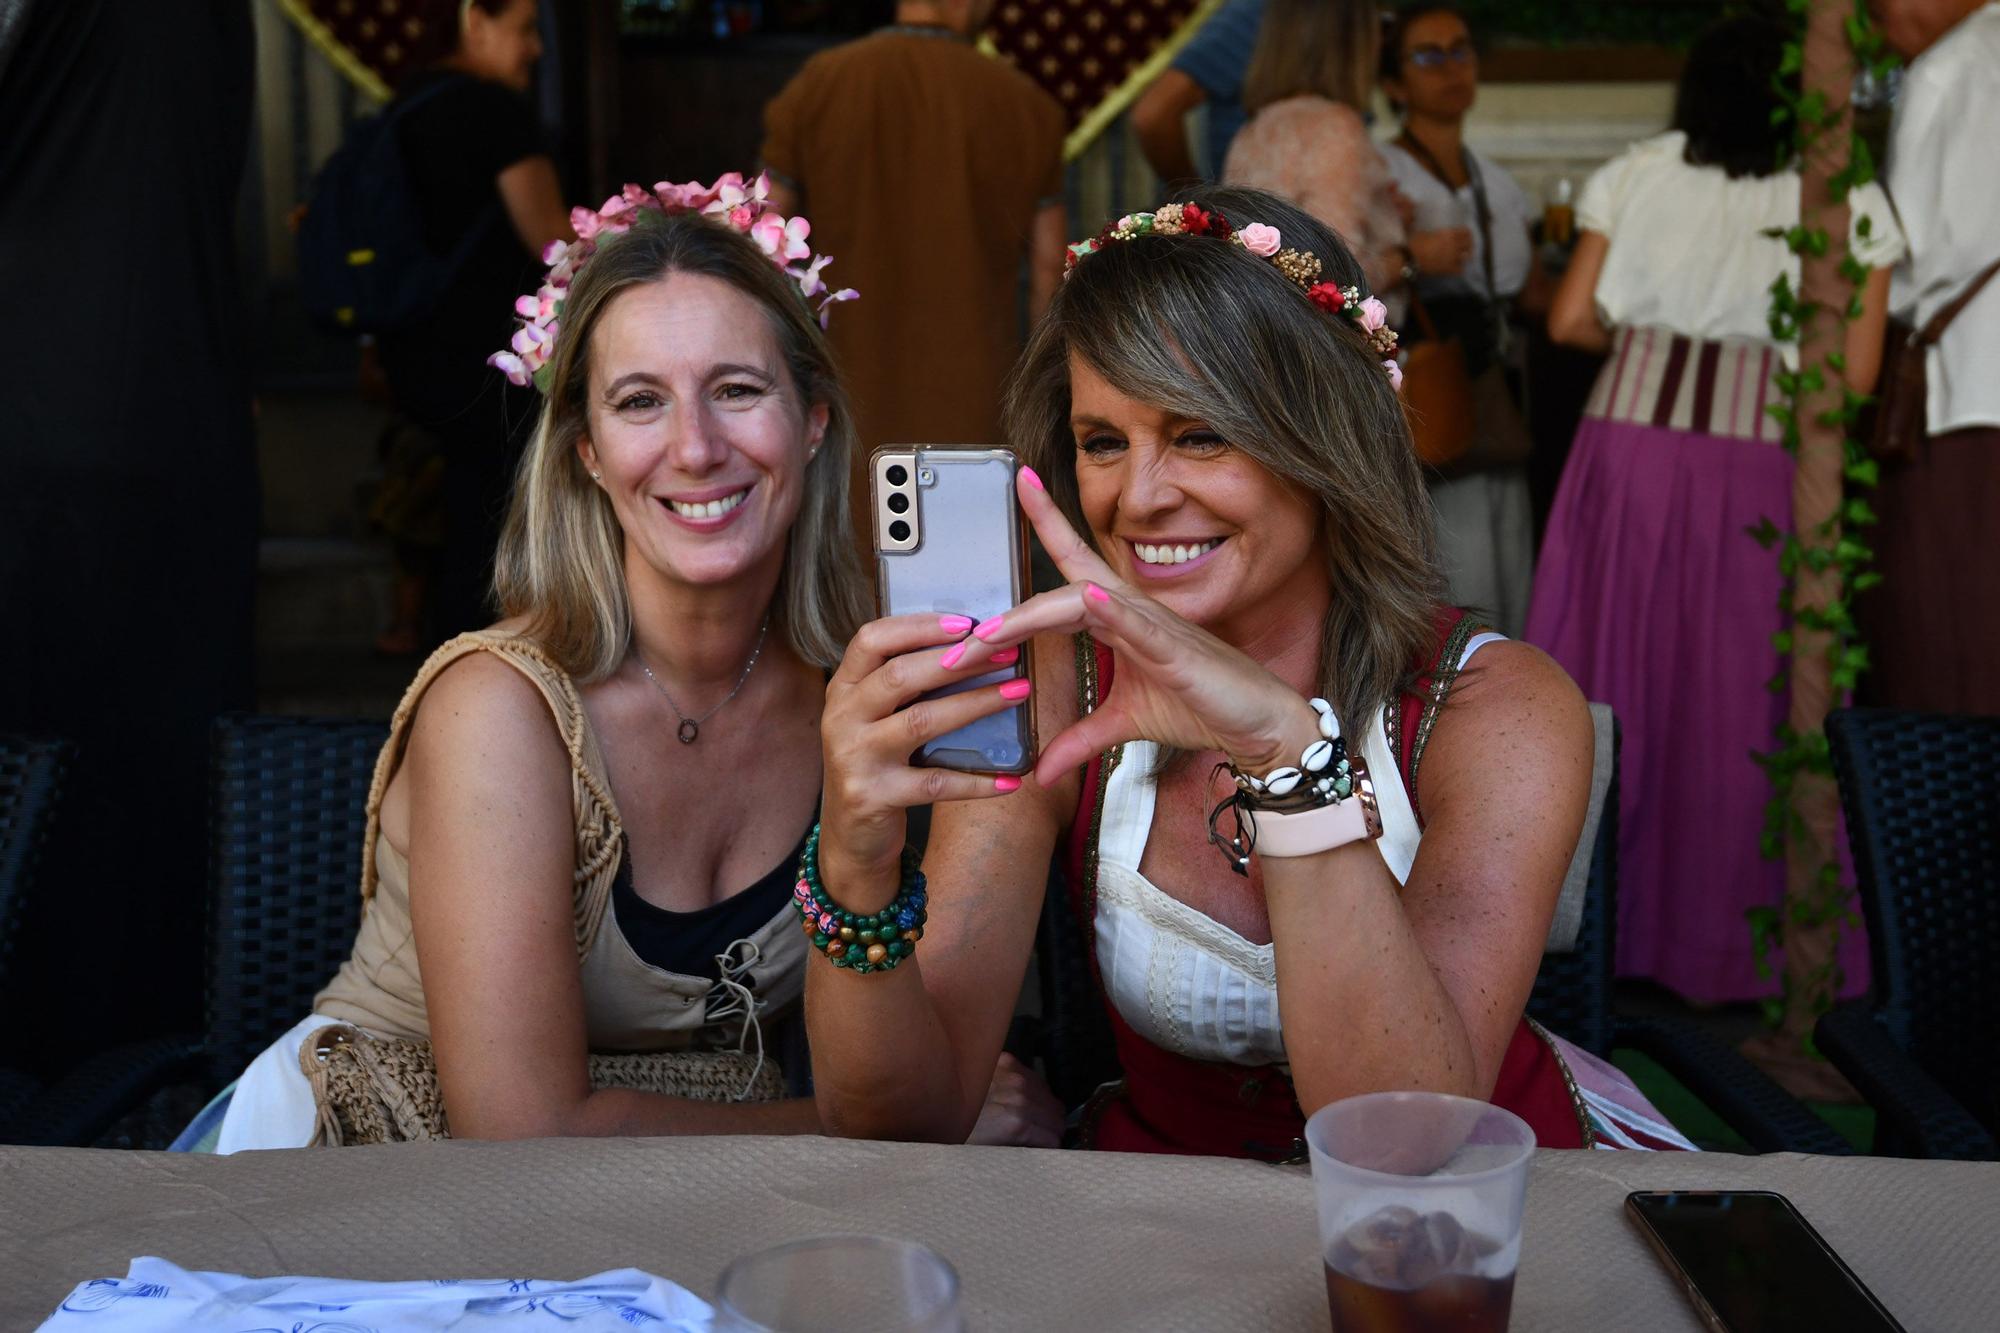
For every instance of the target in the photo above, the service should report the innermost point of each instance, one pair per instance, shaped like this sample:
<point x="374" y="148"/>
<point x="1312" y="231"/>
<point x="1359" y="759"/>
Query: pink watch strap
<point x="1318" y="830"/>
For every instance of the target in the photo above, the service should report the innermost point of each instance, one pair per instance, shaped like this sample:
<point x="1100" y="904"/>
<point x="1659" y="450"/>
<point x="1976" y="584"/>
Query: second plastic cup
<point x="1420" y="1199"/>
<point x="840" y="1284"/>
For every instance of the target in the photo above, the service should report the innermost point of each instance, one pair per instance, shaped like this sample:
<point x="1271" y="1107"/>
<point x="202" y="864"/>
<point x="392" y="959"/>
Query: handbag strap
<point x="1482" y="210"/>
<point x="1934" y="329"/>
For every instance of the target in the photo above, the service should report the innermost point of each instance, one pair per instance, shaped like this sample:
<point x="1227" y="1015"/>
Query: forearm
<point x="883" y="1064"/>
<point x="1363" y="1009"/>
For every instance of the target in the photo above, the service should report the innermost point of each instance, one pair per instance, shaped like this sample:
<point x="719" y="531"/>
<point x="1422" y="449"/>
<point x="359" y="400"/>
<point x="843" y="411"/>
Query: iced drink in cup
<point x="1419" y="1211"/>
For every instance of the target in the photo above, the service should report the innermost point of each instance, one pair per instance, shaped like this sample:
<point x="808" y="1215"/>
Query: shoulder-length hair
<point x="1728" y="102"/>
<point x="561" y="561"/>
<point x="1209" y="331"/>
<point x="1325" y="48"/>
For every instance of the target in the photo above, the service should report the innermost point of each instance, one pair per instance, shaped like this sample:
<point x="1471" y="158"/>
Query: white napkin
<point x="157" y="1296"/>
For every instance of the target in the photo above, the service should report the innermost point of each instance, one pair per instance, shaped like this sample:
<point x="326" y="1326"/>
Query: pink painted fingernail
<point x="1096" y="593"/>
<point x="1005" y="657"/>
<point x="954" y="624"/>
<point x="1005" y="785"/>
<point x="951" y="656"/>
<point x="985" y="628"/>
<point x="1016" y="689"/>
<point x="1028" y="475"/>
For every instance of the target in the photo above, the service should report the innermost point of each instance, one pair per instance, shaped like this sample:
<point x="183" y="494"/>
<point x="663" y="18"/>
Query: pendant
<point x="689" y="731"/>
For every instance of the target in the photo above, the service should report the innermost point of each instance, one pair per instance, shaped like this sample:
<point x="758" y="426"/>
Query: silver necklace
<point x="689" y="730"/>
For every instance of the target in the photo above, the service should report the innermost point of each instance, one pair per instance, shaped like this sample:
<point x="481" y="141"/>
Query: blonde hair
<point x="1321" y="48"/>
<point x="1211" y="332"/>
<point x="561" y="561"/>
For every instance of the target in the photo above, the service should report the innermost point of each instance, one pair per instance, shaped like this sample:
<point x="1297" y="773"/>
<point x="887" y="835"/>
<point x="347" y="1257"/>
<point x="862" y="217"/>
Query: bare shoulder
<point x="483" y="717"/>
<point x="1512" y="710"/>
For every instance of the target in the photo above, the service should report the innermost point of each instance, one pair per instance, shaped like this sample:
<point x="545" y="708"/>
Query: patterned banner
<point x="1093" y="56"/>
<point x="376" y="42"/>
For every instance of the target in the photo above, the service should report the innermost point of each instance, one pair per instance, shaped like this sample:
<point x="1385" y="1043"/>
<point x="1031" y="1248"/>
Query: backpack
<point x="364" y="266"/>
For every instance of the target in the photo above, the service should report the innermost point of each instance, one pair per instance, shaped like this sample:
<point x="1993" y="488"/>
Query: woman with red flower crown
<point x="1251" y="653"/>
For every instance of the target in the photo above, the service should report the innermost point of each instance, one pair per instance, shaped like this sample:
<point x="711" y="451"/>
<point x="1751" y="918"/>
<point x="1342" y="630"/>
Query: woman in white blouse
<point x="1651" y="593"/>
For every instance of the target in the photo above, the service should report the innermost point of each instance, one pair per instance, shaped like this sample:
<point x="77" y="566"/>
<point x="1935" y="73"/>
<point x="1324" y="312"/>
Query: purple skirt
<point x="1655" y="599"/>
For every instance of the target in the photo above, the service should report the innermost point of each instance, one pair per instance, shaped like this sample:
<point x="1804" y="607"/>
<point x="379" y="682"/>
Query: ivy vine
<point x="1836" y="545"/>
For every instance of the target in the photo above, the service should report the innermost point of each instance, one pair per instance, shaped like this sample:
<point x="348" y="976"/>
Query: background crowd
<point x="129" y="509"/>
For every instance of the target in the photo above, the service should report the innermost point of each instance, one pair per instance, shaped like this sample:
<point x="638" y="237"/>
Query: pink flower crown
<point x="1301" y="266"/>
<point x="730" y="201"/>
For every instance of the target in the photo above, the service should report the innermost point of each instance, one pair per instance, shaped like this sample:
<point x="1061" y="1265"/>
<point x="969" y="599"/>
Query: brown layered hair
<point x="1318" y="48"/>
<point x="561" y="562"/>
<point x="1206" y="330"/>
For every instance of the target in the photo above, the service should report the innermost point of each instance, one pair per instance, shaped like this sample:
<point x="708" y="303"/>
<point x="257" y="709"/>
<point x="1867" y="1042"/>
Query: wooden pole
<point x="1809" y="945"/>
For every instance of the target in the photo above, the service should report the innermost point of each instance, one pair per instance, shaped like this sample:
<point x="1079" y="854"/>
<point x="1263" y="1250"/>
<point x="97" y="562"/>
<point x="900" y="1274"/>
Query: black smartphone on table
<point x="1752" y="1264"/>
<point x="950" y="539"/>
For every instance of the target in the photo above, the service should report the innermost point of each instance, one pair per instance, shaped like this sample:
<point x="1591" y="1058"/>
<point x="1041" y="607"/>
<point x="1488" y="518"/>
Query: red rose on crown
<point x="1328" y="297"/>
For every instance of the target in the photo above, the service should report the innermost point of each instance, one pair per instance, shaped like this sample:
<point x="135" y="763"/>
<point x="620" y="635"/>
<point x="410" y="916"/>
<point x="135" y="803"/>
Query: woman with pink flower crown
<point x="1314" y="823"/>
<point x="572" y="802"/>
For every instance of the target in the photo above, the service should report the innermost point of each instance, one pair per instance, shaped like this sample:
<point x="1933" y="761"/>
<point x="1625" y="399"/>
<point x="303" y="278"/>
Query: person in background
<point x="1475" y="262"/>
<point x="476" y="160"/>
<point x="128" y="493"/>
<point x="1307" y="90"/>
<point x="1932" y="634"/>
<point x="1208" y="72"/>
<point x="1651" y="593"/>
<point x="934" y="232"/>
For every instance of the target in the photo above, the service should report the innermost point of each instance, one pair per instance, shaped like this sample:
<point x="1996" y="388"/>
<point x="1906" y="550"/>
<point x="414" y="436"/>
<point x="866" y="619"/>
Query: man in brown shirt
<point x="929" y="172"/>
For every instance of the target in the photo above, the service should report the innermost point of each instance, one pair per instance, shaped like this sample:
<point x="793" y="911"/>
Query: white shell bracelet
<point x="1323" y="774"/>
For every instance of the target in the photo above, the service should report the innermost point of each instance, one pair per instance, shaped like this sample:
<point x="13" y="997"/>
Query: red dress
<point x="1170" y="1103"/>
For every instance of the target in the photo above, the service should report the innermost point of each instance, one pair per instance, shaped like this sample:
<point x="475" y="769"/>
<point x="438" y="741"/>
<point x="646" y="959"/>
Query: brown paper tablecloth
<point x="1042" y="1240"/>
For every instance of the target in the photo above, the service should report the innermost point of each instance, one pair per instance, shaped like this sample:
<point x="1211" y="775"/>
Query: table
<point x="1042" y="1239"/>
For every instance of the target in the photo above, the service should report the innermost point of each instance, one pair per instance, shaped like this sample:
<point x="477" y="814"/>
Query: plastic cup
<point x="1420" y="1199"/>
<point x="840" y="1284"/>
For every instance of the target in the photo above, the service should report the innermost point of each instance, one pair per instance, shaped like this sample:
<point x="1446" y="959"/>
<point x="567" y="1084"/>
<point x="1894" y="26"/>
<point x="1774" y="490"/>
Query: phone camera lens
<point x="899" y="531"/>
<point x="899" y="503"/>
<point x="897" y="474"/>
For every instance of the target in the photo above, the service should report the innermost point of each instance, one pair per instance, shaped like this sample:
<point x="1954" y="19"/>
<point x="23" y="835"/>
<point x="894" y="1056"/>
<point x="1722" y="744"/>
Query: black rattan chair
<point x="31" y="773"/>
<point x="288" y="800"/>
<point x="1922" y="797"/>
<point x="1572" y="996"/>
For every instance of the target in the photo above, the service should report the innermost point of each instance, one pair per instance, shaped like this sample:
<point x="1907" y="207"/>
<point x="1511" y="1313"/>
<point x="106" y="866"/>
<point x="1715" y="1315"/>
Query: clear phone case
<point x="956" y="545"/>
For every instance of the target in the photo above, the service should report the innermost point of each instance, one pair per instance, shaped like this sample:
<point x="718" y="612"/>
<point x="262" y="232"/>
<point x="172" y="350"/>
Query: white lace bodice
<point x="1183" y="980"/>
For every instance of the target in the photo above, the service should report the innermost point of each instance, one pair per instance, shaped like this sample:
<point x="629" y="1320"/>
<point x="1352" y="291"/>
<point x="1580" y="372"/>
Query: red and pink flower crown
<point x="740" y="206"/>
<point x="1301" y="266"/>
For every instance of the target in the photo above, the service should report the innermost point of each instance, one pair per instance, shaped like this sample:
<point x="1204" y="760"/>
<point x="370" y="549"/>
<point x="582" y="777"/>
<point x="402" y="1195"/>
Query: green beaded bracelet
<point x="874" y="942"/>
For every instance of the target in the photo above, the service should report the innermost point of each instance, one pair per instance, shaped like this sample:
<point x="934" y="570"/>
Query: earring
<point x="597" y="476"/>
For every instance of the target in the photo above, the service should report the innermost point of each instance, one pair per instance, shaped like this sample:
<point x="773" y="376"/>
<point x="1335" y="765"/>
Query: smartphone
<point x="1752" y="1264"/>
<point x="949" y="539"/>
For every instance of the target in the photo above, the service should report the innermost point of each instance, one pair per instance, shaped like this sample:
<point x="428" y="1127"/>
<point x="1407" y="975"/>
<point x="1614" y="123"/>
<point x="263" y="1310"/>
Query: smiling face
<point x="697" y="429"/>
<point x="1200" y="526"/>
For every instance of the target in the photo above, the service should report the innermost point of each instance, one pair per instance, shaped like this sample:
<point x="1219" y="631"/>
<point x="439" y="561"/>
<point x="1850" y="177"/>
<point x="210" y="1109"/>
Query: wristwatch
<point x="1321" y="828"/>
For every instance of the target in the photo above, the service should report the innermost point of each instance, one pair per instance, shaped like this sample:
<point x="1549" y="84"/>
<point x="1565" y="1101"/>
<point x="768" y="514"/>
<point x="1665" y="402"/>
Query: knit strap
<point x="600" y="834"/>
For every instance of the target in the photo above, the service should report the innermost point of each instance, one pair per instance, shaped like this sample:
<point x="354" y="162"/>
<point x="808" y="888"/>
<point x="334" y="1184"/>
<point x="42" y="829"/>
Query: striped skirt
<point x="1655" y="599"/>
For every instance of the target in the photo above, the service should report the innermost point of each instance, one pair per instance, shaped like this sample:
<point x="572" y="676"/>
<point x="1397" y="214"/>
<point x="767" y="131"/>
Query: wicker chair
<point x="288" y="812"/>
<point x="1922" y="798"/>
<point x="1572" y="996"/>
<point x="31" y="773"/>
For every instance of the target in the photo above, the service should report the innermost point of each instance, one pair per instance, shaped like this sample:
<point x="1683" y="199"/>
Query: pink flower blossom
<point x="1373" y="314"/>
<point x="584" y="223"/>
<point x="512" y="367"/>
<point x="1260" y="239"/>
<point x="740" y="217"/>
<point x="556" y="253"/>
<point x="809" y="280"/>
<point x="833" y="299"/>
<point x="686" y="197"/>
<point x="1395" y="375"/>
<point x="783" y="240"/>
